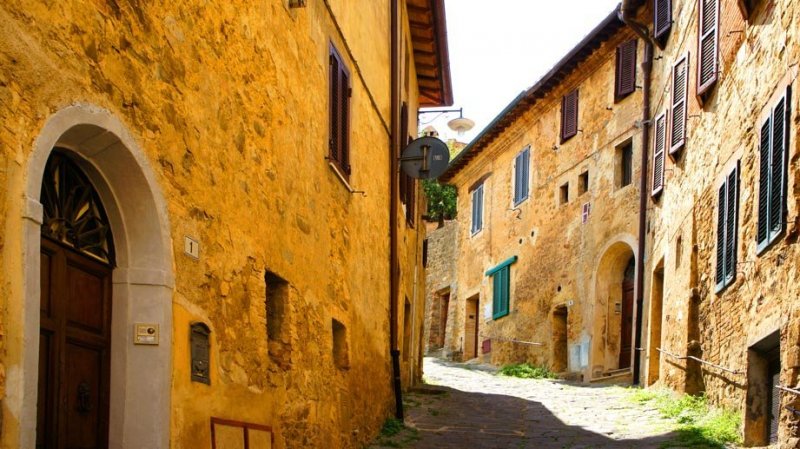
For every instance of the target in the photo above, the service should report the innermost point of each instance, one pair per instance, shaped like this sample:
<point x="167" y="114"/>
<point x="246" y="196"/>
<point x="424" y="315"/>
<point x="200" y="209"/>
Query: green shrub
<point x="391" y="427"/>
<point x="527" y="371"/>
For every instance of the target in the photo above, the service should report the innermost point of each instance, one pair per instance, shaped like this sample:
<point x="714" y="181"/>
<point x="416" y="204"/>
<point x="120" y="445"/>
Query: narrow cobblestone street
<point x="468" y="406"/>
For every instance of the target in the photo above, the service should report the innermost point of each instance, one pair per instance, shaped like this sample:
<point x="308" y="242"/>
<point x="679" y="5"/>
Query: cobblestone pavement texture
<point x="475" y="409"/>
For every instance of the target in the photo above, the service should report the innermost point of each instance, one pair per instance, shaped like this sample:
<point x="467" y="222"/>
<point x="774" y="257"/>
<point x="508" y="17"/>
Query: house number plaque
<point x="200" y="347"/>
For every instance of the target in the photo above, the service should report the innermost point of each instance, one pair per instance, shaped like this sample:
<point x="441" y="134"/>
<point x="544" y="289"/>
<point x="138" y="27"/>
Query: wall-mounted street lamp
<point x="459" y="125"/>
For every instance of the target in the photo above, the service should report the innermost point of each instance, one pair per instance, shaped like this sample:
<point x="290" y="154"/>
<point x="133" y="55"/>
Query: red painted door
<point x="74" y="354"/>
<point x="625" y="345"/>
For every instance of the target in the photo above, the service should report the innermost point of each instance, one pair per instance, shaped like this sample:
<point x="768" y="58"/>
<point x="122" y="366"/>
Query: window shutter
<point x="344" y="126"/>
<point x="662" y="19"/>
<point x="496" y="293"/>
<point x="680" y="89"/>
<point x="762" y="233"/>
<point x="731" y="226"/>
<point x="721" y="216"/>
<point x="333" y="142"/>
<point x="626" y="70"/>
<point x="778" y="166"/>
<point x="505" y="292"/>
<point x="707" y="67"/>
<point x="569" y="115"/>
<point x="403" y="133"/>
<point x="526" y="172"/>
<point x="659" y="142"/>
<point x="517" y="178"/>
<point x="477" y="209"/>
<point x="772" y="182"/>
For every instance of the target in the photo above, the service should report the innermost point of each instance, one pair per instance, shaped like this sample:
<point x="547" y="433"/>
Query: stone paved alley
<point x="480" y="410"/>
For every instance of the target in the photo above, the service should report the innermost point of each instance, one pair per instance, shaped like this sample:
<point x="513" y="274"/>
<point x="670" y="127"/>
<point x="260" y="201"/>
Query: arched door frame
<point x="143" y="280"/>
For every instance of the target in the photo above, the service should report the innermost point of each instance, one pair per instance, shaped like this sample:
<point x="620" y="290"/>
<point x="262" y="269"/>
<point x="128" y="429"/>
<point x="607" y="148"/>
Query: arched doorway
<point x="139" y="376"/>
<point x="77" y="259"/>
<point x="626" y="320"/>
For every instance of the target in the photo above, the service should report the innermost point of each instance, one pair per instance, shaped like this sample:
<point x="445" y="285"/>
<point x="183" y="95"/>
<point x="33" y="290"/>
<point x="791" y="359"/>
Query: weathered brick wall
<point x="758" y="60"/>
<point x="228" y="100"/>
<point x="558" y="254"/>
<point x="439" y="280"/>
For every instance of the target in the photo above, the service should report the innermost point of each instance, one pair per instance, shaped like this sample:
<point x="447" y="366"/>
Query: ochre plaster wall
<point x="229" y="102"/>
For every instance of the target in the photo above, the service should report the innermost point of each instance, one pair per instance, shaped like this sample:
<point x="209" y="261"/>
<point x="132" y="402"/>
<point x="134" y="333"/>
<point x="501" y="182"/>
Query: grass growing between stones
<point x="527" y="371"/>
<point x="395" y="434"/>
<point x="699" y="424"/>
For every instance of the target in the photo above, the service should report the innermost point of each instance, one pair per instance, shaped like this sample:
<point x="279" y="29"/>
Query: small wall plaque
<point x="191" y="247"/>
<point x="200" y="345"/>
<point x="145" y="334"/>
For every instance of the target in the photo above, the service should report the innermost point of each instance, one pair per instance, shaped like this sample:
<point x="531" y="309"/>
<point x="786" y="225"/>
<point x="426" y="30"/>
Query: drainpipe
<point x="626" y="14"/>
<point x="394" y="264"/>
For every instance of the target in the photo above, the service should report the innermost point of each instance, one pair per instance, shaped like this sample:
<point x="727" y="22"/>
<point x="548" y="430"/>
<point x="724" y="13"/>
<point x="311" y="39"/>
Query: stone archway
<point x="609" y="286"/>
<point x="143" y="279"/>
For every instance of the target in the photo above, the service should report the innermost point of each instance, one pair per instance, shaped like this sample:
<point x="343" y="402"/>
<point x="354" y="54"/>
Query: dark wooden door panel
<point x="625" y="346"/>
<point x="83" y="388"/>
<point x="45" y="429"/>
<point x="85" y="301"/>
<point x="45" y="303"/>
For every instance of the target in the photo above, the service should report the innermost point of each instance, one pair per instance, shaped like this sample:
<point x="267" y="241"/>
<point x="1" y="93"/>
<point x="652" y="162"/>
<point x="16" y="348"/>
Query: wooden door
<point x="74" y="350"/>
<point x="625" y="337"/>
<point x="445" y="300"/>
<point x="471" y="329"/>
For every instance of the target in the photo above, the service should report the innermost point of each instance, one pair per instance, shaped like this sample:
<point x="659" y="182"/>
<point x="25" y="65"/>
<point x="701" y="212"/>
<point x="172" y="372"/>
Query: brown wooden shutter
<point x="662" y="18"/>
<point x="344" y="126"/>
<point x="625" y="79"/>
<point x="659" y="145"/>
<point x="708" y="45"/>
<point x="333" y="96"/>
<point x="678" y="110"/>
<point x="403" y="133"/>
<point x="569" y="115"/>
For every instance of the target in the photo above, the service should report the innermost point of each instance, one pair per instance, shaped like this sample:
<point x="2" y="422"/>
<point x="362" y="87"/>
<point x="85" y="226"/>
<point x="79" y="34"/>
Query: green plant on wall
<point x="441" y="200"/>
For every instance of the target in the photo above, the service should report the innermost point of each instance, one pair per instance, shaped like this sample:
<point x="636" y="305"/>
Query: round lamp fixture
<point x="461" y="125"/>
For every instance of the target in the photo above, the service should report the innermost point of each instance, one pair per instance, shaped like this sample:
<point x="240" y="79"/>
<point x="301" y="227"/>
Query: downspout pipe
<point x="394" y="264"/>
<point x="626" y="14"/>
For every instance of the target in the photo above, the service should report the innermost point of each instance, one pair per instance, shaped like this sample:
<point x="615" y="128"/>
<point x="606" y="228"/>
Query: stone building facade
<point x="195" y="200"/>
<point x="440" y="275"/>
<point x="560" y="211"/>
<point x="715" y="305"/>
<point x="721" y="271"/>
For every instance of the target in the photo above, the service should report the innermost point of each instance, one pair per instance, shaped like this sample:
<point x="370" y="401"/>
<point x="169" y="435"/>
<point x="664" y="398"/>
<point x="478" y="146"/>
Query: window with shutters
<point x="659" y="145"/>
<point x="522" y="175"/>
<point x="625" y="75"/>
<point x="708" y="46"/>
<point x="569" y="115"/>
<point x="477" y="209"/>
<point x="662" y="20"/>
<point x="678" y="110"/>
<point x="501" y="286"/>
<point x="774" y="144"/>
<point x="339" y="103"/>
<point x="727" y="229"/>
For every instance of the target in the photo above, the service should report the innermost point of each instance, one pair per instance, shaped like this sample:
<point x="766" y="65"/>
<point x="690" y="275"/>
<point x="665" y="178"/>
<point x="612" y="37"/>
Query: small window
<point x="477" y="209"/>
<point x="569" y="115"/>
<point x="625" y="75"/>
<point x="727" y="226"/>
<point x="339" y="104"/>
<point x="678" y="251"/>
<point x="583" y="183"/>
<point x="563" y="194"/>
<point x="341" y="356"/>
<point x="425" y="253"/>
<point x="277" y="303"/>
<point x="708" y="46"/>
<point x="522" y="176"/>
<point x="772" y="176"/>
<point x="625" y="164"/>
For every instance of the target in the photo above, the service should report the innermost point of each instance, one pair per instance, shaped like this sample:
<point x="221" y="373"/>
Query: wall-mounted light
<point x="459" y="125"/>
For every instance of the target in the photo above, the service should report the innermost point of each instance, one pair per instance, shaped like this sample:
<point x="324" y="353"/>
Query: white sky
<point x="499" y="48"/>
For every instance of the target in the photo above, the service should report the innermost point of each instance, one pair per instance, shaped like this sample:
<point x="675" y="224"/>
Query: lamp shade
<point x="461" y="124"/>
